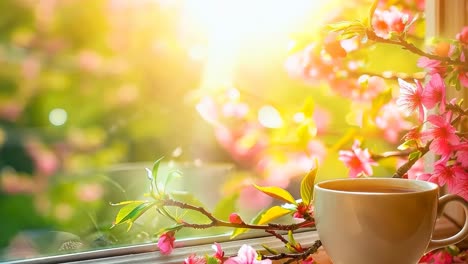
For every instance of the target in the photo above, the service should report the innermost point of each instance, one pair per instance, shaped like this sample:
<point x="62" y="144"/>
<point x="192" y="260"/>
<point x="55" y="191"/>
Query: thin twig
<point x="296" y="256"/>
<point x="412" y="48"/>
<point x="217" y="222"/>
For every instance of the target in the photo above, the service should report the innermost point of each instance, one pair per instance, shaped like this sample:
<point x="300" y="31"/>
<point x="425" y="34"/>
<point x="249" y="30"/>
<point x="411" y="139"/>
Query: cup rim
<point x="424" y="185"/>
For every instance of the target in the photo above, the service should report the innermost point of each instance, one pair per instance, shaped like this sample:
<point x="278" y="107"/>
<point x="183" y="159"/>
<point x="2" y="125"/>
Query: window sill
<point x="148" y="253"/>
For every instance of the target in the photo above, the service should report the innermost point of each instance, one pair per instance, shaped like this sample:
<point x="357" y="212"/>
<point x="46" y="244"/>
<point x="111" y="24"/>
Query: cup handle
<point x="462" y="234"/>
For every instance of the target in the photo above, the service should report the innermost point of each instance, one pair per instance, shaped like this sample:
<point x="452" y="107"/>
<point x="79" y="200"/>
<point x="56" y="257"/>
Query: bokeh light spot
<point x="58" y="117"/>
<point x="269" y="117"/>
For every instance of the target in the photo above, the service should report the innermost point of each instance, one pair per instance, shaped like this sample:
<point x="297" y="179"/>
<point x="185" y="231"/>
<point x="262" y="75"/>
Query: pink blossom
<point x="462" y="157"/>
<point x="449" y="175"/>
<point x="194" y="259"/>
<point x="89" y="60"/>
<point x="303" y="210"/>
<point x="442" y="257"/>
<point x="45" y="161"/>
<point x="413" y="134"/>
<point x="166" y="243"/>
<point x="358" y="160"/>
<point x="219" y="253"/>
<point x="433" y="66"/>
<point x="251" y="198"/>
<point x="316" y="149"/>
<point x="462" y="72"/>
<point x="246" y="255"/>
<point x="30" y="68"/>
<point x="322" y="119"/>
<point x="443" y="135"/>
<point x="462" y="153"/>
<point x="365" y="89"/>
<point x="410" y="98"/>
<point x="391" y="121"/>
<point x="461" y="187"/>
<point x="334" y="49"/>
<point x="234" y="218"/>
<point x="208" y="110"/>
<point x="12" y="183"/>
<point x="463" y="36"/>
<point x="308" y="64"/>
<point x="388" y="21"/>
<point x="434" y="93"/>
<point x="369" y="87"/>
<point x="90" y="192"/>
<point x="245" y="142"/>
<point x="235" y="109"/>
<point x="308" y="260"/>
<point x="10" y="111"/>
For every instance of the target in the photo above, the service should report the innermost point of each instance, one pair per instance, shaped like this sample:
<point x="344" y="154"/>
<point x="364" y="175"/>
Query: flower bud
<point x="234" y="218"/>
<point x="166" y="243"/>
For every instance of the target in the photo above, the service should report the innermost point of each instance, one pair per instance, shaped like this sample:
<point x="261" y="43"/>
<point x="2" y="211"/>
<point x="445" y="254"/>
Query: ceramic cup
<point x="380" y="220"/>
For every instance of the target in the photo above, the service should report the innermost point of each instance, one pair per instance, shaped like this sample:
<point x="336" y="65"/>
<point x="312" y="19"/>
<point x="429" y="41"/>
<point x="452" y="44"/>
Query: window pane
<point x="229" y="92"/>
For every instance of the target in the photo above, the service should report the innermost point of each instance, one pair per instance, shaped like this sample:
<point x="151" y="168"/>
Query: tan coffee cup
<point x="380" y="220"/>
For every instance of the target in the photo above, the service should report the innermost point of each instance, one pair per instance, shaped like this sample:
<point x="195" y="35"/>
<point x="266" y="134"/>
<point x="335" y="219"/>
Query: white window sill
<point x="148" y="253"/>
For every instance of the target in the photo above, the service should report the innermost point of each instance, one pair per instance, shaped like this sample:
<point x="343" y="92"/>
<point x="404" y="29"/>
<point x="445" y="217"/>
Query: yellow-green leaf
<point x="131" y="212"/>
<point x="155" y="169"/>
<point x="127" y="202"/>
<point x="371" y="13"/>
<point x="270" y="250"/>
<point x="226" y="206"/>
<point x="307" y="185"/>
<point x="408" y="144"/>
<point x="272" y="214"/>
<point x="277" y="193"/>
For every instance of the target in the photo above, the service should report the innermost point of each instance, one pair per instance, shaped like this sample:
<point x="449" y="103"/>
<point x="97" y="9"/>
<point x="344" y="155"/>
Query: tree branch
<point x="412" y="48"/>
<point x="220" y="223"/>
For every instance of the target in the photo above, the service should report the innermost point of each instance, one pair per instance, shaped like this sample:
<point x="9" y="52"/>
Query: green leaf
<point x="277" y="193"/>
<point x="175" y="228"/>
<point x="238" y="231"/>
<point x="308" y="107"/>
<point x="131" y="212"/>
<point x="371" y="13"/>
<point x="453" y="250"/>
<point x="211" y="260"/>
<point x="291" y="239"/>
<point x="172" y="175"/>
<point x="273" y="213"/>
<point x="408" y="144"/>
<point x="306" y="130"/>
<point x="155" y="169"/>
<point x="127" y="202"/>
<point x="307" y="185"/>
<point x="339" y="26"/>
<point x="270" y="250"/>
<point x="226" y="206"/>
<point x="415" y="155"/>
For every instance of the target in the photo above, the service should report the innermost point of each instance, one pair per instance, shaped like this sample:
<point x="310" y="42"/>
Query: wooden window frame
<point x="445" y="18"/>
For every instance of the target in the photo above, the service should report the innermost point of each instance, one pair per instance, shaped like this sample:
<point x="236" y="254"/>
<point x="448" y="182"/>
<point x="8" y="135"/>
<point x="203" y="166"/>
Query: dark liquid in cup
<point x="374" y="189"/>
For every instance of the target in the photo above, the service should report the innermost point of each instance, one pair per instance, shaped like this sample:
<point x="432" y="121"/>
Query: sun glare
<point x="229" y="24"/>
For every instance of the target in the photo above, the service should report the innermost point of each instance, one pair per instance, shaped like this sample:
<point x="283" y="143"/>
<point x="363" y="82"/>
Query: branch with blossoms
<point x="440" y="132"/>
<point x="163" y="201"/>
<point x="433" y="124"/>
